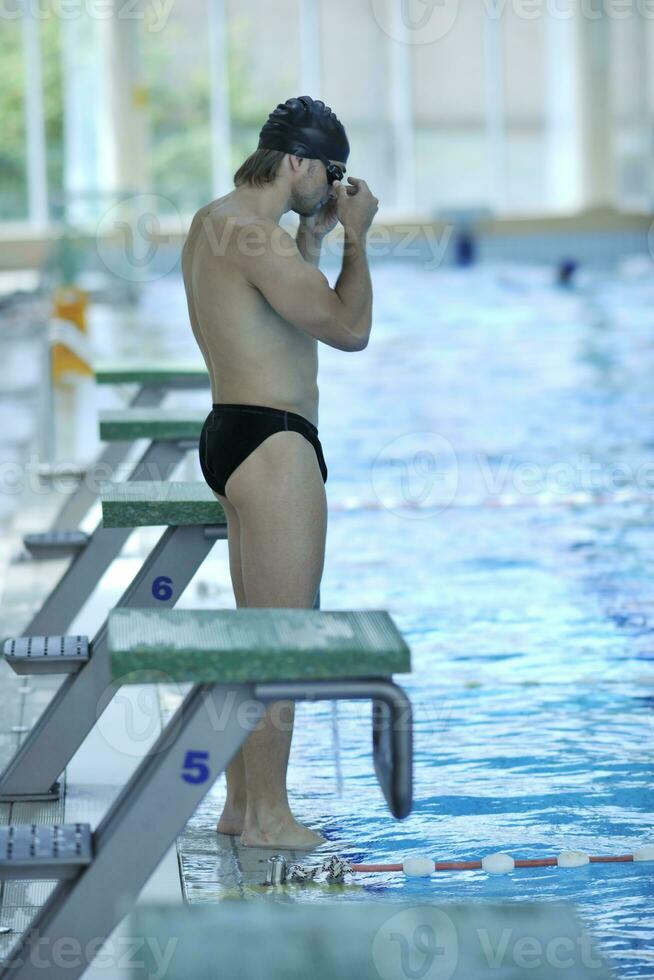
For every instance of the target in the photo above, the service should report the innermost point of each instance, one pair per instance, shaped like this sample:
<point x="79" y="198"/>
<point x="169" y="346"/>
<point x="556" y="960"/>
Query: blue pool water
<point x="519" y="571"/>
<point x="491" y="477"/>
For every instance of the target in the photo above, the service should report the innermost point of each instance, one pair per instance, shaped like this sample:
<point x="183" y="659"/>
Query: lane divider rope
<point x="336" y="867"/>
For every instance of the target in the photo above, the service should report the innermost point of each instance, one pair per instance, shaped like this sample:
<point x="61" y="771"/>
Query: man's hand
<point x="323" y="221"/>
<point x="356" y="206"/>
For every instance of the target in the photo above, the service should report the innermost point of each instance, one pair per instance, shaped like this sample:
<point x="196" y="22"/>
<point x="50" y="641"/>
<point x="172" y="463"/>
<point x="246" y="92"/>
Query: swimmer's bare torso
<point x="253" y="355"/>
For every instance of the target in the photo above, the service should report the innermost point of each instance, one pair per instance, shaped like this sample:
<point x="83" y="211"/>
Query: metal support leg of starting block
<point x="192" y="751"/>
<point x="85" y="571"/>
<point x="139" y="828"/>
<point x="78" y="703"/>
<point x="78" y="504"/>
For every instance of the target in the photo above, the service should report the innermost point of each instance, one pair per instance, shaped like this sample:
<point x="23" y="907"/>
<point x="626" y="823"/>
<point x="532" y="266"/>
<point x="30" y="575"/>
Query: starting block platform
<point x="154" y="379"/>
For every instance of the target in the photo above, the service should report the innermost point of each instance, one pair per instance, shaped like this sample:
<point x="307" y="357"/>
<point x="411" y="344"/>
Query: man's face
<point x="312" y="190"/>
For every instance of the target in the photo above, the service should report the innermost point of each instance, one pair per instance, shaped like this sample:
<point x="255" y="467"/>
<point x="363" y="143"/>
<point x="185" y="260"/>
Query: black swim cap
<point x="305" y="128"/>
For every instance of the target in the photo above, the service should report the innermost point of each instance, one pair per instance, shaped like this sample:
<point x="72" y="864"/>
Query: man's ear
<point x="295" y="162"/>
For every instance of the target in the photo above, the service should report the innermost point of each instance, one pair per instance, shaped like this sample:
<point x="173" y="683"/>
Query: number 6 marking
<point x="162" y="588"/>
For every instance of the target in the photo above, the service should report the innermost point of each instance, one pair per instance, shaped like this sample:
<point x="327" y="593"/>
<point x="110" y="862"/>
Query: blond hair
<point x="260" y="168"/>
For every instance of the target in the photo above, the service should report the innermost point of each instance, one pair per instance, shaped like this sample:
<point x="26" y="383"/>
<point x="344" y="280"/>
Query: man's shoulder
<point x="241" y="235"/>
<point x="226" y="221"/>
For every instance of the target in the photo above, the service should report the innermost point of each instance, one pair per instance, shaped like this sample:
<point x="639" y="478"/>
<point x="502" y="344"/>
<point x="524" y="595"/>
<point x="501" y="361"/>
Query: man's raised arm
<point x="300" y="293"/>
<point x="356" y="206"/>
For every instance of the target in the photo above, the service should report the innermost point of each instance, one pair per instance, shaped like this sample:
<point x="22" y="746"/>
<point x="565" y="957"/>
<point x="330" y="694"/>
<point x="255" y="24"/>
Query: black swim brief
<point x="231" y="432"/>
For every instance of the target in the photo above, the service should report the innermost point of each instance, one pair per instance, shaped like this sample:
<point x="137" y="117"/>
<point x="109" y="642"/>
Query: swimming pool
<point x="491" y="476"/>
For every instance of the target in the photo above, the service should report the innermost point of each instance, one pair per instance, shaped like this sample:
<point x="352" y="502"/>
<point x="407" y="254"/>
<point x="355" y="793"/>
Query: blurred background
<point x="531" y="108"/>
<point x="490" y="453"/>
<point x="526" y="107"/>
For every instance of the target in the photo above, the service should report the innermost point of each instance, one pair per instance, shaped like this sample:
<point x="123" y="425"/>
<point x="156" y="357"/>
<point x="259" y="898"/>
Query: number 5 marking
<point x="196" y="769"/>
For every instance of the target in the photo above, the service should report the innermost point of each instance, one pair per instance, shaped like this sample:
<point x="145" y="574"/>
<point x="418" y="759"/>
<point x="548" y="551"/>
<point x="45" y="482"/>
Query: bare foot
<point x="289" y="834"/>
<point x="231" y="821"/>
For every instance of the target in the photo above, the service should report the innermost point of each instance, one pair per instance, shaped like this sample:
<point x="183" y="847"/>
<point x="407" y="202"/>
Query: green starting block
<point x="238" y="661"/>
<point x="194" y="521"/>
<point x="171" y="434"/>
<point x="153" y="382"/>
<point x="153" y="379"/>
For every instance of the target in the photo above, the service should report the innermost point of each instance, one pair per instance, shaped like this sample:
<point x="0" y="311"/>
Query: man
<point x="258" y="306"/>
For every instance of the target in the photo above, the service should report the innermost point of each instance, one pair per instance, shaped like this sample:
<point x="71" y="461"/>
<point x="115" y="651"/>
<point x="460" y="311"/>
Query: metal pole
<point x="36" y="156"/>
<point x="221" y="136"/>
<point x="496" y="112"/>
<point x="310" y="48"/>
<point x="402" y="111"/>
<point x="46" y="403"/>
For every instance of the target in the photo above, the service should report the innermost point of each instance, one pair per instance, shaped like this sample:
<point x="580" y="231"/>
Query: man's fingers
<point x="343" y="190"/>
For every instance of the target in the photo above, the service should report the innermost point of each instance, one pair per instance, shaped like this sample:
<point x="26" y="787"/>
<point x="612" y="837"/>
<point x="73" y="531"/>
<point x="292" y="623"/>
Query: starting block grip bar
<point x="392" y="728"/>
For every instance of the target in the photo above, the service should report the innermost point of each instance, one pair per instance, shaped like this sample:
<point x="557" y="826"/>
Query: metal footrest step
<point x="44" y="851"/>
<point x="56" y="544"/>
<point x="47" y="654"/>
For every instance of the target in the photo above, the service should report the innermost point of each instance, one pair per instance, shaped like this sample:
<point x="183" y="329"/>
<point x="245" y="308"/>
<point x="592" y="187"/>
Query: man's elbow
<point x="361" y="330"/>
<point x="356" y="339"/>
<point x="353" y="343"/>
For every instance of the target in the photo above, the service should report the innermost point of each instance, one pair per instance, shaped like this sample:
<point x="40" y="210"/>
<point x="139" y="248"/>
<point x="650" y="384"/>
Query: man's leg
<point x="233" y="816"/>
<point x="279" y="495"/>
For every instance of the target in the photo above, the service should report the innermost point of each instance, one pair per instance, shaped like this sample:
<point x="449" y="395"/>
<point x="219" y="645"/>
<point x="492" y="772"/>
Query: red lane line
<point x="474" y="865"/>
